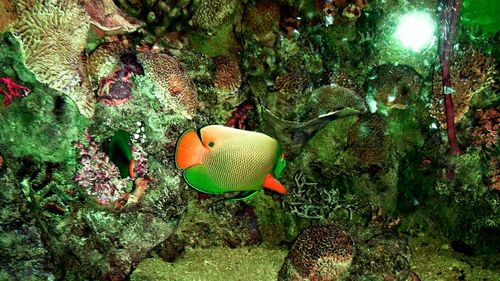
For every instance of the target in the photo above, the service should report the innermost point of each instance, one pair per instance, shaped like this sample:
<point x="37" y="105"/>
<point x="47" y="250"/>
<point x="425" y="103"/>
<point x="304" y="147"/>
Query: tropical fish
<point x="221" y="159"/>
<point x="120" y="153"/>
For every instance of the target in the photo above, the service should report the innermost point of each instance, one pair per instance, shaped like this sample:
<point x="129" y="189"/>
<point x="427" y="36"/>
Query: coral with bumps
<point x="471" y="72"/>
<point x="369" y="140"/>
<point x="319" y="253"/>
<point x="54" y="35"/>
<point x="171" y="76"/>
<point x="228" y="79"/>
<point x="212" y="13"/>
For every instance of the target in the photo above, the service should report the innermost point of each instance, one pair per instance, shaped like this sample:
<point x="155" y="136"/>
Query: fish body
<point x="221" y="159"/>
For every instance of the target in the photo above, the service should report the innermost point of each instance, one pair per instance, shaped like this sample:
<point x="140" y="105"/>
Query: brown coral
<point x="212" y="13"/>
<point x="228" y="79"/>
<point x="262" y="21"/>
<point x="9" y="15"/>
<point x="171" y="76"/>
<point x="53" y="36"/>
<point x="471" y="72"/>
<point x="319" y="253"/>
<point x="369" y="140"/>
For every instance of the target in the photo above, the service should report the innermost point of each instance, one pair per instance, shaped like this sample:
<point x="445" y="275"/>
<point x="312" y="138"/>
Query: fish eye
<point x="211" y="144"/>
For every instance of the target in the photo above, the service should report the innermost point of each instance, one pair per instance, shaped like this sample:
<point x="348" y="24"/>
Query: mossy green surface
<point x="434" y="259"/>
<point x="215" y="264"/>
<point x="42" y="125"/>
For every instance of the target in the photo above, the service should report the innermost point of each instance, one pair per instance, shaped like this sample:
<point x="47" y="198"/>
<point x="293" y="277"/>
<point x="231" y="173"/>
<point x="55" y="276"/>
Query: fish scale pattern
<point x="241" y="166"/>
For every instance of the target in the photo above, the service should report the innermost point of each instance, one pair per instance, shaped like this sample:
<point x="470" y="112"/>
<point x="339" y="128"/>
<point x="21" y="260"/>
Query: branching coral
<point x="13" y="90"/>
<point x="319" y="253"/>
<point x="53" y="35"/>
<point x="311" y="200"/>
<point x="486" y="131"/>
<point x="171" y="76"/>
<point x="473" y="72"/>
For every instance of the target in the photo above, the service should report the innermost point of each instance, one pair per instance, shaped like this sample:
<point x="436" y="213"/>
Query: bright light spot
<point x="416" y="30"/>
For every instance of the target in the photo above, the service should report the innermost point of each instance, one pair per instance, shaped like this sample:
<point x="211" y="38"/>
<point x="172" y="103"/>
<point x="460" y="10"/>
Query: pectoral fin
<point x="273" y="184"/>
<point x="199" y="178"/>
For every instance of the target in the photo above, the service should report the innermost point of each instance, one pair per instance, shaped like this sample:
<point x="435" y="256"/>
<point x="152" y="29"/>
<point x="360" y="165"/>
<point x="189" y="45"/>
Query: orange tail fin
<point x="273" y="184"/>
<point x="189" y="150"/>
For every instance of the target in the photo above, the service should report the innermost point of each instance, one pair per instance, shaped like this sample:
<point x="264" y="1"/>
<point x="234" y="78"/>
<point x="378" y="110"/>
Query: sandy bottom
<point x="432" y="260"/>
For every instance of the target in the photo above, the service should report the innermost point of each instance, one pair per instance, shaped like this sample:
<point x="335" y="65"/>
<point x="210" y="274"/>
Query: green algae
<point x="247" y="263"/>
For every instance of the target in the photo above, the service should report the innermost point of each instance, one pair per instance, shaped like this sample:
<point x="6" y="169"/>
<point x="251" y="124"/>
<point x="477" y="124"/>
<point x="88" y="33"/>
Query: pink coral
<point x="13" y="90"/>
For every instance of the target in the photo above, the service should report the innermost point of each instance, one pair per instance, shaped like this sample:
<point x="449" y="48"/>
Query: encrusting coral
<point x="54" y="35"/>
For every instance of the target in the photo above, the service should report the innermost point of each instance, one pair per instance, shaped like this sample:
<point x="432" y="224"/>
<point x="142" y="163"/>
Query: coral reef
<point x="240" y="118"/>
<point x="101" y="179"/>
<point x="9" y="15"/>
<point x="369" y="140"/>
<point x="13" y="90"/>
<point x="227" y="80"/>
<point x="319" y="253"/>
<point x="53" y="36"/>
<point x="486" y="131"/>
<point x="108" y="18"/>
<point x="212" y="13"/>
<point x="261" y="22"/>
<point x="472" y="72"/>
<point x="392" y="86"/>
<point x="170" y="76"/>
<point x="111" y="67"/>
<point x="380" y="255"/>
